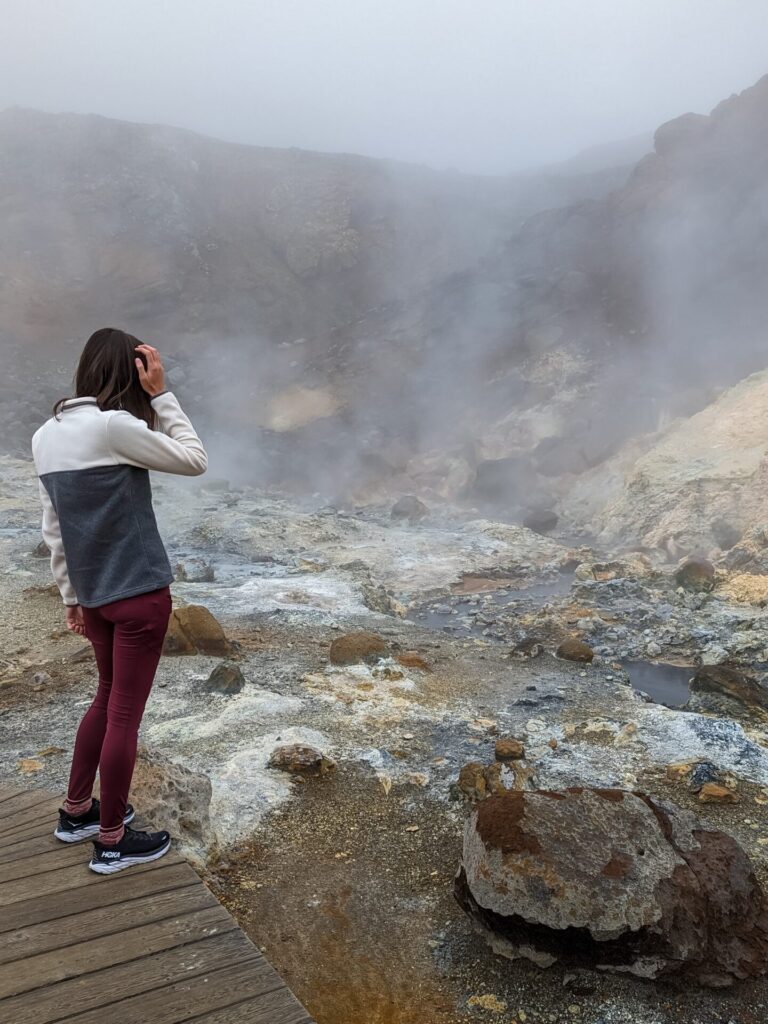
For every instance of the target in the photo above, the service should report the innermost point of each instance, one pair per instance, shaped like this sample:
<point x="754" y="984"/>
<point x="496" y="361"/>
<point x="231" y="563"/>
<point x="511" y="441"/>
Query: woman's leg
<point x="90" y="734"/>
<point x="140" y="625"/>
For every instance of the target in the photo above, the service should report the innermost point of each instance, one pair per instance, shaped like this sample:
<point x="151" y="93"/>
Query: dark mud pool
<point x="665" y="684"/>
<point x="476" y="601"/>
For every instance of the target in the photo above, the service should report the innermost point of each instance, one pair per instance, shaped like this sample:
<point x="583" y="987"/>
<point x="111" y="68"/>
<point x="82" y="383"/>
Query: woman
<point x="92" y="458"/>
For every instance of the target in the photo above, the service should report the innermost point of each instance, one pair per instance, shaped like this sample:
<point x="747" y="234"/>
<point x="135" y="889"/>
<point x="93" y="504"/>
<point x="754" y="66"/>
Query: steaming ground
<point x="346" y="880"/>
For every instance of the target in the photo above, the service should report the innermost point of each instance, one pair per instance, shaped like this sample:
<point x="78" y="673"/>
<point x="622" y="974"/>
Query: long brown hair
<point x="106" y="370"/>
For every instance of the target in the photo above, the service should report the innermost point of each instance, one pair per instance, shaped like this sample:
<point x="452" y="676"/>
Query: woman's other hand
<point x="75" y="620"/>
<point x="151" y="377"/>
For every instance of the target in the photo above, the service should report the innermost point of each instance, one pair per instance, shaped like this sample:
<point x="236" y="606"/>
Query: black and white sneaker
<point x="133" y="848"/>
<point x="85" y="826"/>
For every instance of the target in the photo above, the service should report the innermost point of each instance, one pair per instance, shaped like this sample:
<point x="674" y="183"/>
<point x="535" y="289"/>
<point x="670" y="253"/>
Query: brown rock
<point x="696" y="574"/>
<point x="612" y="879"/>
<point x="352" y="648"/>
<point x="477" y="781"/>
<point x="714" y="793"/>
<point x="575" y="650"/>
<point x="509" y="749"/>
<point x="194" y="630"/>
<point x="301" y="760"/>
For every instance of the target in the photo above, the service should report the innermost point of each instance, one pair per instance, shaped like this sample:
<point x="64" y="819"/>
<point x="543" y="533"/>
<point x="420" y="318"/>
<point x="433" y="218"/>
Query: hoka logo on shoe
<point x="111" y="853"/>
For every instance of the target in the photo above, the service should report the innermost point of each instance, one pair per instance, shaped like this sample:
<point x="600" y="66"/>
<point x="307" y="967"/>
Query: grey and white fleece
<point x="98" y="521"/>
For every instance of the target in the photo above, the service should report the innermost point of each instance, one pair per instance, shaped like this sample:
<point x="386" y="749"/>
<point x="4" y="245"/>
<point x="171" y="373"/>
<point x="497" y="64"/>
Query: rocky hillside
<point x="190" y="238"/>
<point x="601" y="320"/>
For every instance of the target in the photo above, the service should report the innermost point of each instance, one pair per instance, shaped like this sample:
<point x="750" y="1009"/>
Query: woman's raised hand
<point x="151" y="377"/>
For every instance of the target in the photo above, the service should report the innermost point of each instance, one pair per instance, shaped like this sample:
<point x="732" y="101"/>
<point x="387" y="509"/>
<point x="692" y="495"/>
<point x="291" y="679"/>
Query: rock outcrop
<point x="169" y="795"/>
<point x="611" y="879"/>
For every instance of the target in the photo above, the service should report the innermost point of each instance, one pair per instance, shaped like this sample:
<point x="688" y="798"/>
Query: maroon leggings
<point x="127" y="638"/>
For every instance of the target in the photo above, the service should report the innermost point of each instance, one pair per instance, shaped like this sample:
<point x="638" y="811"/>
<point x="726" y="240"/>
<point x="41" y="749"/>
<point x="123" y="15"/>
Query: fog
<point x="486" y="86"/>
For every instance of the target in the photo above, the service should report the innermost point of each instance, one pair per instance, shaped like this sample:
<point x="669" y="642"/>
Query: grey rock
<point x="226" y="678"/>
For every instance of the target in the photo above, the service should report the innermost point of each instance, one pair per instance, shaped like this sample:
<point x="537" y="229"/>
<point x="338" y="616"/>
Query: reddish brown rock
<point x="575" y="650"/>
<point x="615" y="880"/>
<point x="353" y="648"/>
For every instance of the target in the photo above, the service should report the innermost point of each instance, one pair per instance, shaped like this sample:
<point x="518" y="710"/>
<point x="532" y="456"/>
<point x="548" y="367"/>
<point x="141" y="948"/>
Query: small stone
<point x="50" y="751"/>
<point x="301" y="759"/>
<point x="703" y="772"/>
<point x="411" y="828"/>
<point x="714" y="793"/>
<point x="27" y="765"/>
<point x="487" y="1002"/>
<point x="509" y="749"/>
<point x="552" y="743"/>
<point x="575" y="650"/>
<point x="226" y="678"/>
<point x="41" y="679"/>
<point x="678" y="771"/>
<point x="653" y="650"/>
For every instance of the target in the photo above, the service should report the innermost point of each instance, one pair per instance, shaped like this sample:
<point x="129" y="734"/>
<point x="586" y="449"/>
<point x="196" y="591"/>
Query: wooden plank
<point x="41" y="811"/>
<point x="277" y="1007"/>
<point x="171" y="874"/>
<point x="31" y="940"/>
<point x="102" y="988"/>
<point x="49" y="860"/>
<point x="61" y="881"/>
<point x="8" y="792"/>
<point x="37" y="845"/>
<point x="251" y="979"/>
<point x="41" y="824"/>
<point x="14" y="801"/>
<point x="80" y="958"/>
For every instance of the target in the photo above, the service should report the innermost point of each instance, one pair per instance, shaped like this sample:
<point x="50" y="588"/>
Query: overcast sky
<point x="479" y="85"/>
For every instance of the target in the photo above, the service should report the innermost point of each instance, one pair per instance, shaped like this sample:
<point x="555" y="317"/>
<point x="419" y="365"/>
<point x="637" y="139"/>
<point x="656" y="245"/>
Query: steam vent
<point x="615" y="880"/>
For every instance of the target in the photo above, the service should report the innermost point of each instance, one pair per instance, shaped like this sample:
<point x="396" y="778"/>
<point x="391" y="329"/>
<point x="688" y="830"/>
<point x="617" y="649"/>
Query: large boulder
<point x="194" y="630"/>
<point x="611" y="879"/>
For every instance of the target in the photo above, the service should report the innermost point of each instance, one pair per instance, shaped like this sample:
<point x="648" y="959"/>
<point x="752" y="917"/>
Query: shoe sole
<point x="127" y="862"/>
<point x="87" y="832"/>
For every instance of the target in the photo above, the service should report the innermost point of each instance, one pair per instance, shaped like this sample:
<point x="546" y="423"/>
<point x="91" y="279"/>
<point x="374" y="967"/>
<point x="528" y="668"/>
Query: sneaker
<point x="133" y="848"/>
<point x="74" y="829"/>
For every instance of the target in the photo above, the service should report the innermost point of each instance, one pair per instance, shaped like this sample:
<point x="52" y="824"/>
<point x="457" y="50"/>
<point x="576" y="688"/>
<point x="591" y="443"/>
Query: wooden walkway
<point x="150" y="945"/>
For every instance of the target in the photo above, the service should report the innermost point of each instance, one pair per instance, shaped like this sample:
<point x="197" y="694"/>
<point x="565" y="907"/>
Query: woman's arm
<point x="52" y="537"/>
<point x="177" y="449"/>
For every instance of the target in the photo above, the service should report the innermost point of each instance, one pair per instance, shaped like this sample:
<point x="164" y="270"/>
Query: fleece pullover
<point x="93" y="476"/>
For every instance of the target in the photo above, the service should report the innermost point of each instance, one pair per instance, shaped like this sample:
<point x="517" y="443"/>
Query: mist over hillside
<point x="354" y="326"/>
<point x="194" y="238"/>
